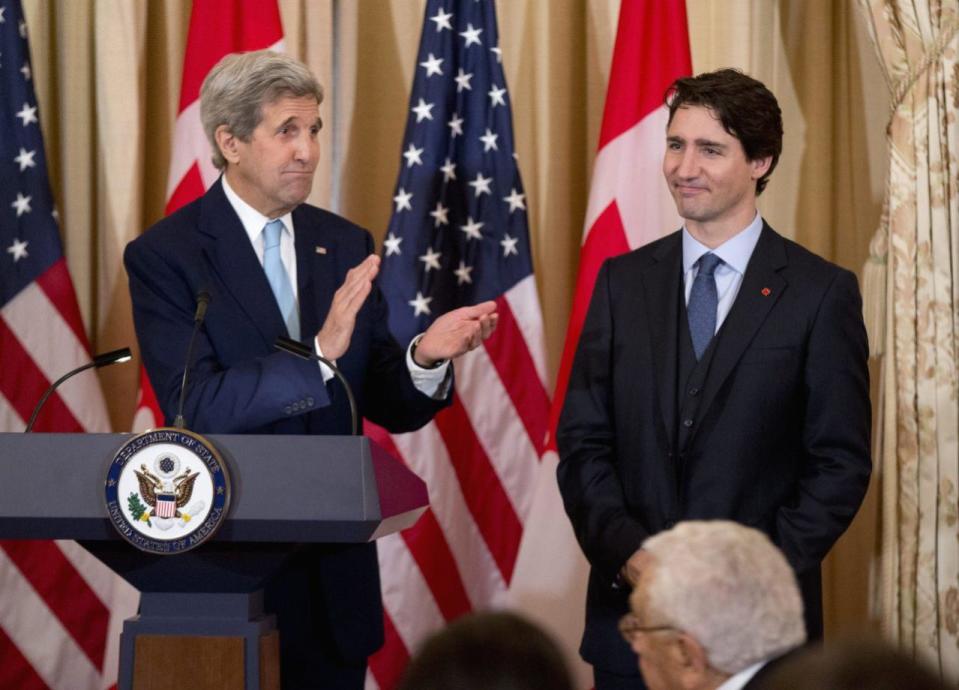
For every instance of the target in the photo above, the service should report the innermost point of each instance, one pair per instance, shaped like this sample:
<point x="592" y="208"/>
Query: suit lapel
<point x="315" y="272"/>
<point x="233" y="260"/>
<point x="662" y="281"/>
<point x="760" y="291"/>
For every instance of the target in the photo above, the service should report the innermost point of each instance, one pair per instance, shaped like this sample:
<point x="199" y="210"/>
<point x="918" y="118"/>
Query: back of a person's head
<point x="852" y="665"/>
<point x="488" y="651"/>
<point x="729" y="587"/>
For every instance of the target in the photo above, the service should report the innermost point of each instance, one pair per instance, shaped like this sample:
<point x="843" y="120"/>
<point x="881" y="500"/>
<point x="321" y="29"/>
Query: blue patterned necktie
<point x="278" y="277"/>
<point x="703" y="302"/>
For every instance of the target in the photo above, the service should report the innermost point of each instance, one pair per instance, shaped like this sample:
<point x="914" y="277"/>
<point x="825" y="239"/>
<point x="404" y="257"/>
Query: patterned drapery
<point x="917" y="250"/>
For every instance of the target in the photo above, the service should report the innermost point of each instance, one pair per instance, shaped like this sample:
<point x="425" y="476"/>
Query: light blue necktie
<point x="703" y="302"/>
<point x="279" y="278"/>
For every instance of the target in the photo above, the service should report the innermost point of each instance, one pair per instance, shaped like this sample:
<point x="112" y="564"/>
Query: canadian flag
<point x="629" y="205"/>
<point x="629" y="202"/>
<point x="217" y="28"/>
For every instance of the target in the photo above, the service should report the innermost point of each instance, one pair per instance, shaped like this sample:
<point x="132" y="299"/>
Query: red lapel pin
<point x="766" y="292"/>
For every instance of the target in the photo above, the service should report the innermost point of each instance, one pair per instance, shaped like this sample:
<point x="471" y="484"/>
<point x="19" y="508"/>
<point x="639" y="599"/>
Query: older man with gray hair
<point x="715" y="603"/>
<point x="272" y="265"/>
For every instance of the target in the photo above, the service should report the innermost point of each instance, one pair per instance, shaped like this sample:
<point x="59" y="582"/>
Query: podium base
<point x="200" y="641"/>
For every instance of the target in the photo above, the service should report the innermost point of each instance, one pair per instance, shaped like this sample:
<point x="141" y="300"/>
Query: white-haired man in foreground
<point x="715" y="603"/>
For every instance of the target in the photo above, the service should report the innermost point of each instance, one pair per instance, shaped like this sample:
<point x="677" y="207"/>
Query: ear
<point x="228" y="144"/>
<point x="691" y="661"/>
<point x="760" y="166"/>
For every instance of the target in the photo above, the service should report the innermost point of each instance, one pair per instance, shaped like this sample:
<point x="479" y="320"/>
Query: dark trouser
<point x="605" y="680"/>
<point x="309" y="657"/>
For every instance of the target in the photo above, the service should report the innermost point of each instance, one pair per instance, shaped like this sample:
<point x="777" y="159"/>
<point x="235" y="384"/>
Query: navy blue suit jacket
<point x="240" y="384"/>
<point x="780" y="438"/>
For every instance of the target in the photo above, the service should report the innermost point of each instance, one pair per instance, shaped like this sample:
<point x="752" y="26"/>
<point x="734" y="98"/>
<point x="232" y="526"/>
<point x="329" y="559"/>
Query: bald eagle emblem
<point x="167" y="490"/>
<point x="166" y="496"/>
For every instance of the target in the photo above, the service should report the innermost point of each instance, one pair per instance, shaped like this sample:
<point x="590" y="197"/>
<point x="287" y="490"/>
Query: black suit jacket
<point x="240" y="384"/>
<point x="780" y="439"/>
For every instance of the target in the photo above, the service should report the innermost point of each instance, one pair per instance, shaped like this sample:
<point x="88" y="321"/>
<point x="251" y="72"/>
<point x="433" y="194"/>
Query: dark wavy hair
<point x="745" y="107"/>
<point x="488" y="651"/>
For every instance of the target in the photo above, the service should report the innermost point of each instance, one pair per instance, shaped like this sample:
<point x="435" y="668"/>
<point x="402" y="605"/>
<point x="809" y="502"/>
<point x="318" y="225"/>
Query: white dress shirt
<point x="738" y="680"/>
<point x="735" y="253"/>
<point x="432" y="382"/>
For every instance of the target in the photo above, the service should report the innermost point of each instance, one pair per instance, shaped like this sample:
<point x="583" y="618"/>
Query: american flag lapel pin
<point x="320" y="250"/>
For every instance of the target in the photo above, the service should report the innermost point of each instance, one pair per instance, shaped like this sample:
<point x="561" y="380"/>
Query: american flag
<point x="458" y="235"/>
<point x="60" y="609"/>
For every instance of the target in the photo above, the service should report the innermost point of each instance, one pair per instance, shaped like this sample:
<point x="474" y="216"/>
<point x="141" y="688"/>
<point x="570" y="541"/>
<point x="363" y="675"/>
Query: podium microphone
<point x="104" y="360"/>
<point x="305" y="352"/>
<point x="202" y="302"/>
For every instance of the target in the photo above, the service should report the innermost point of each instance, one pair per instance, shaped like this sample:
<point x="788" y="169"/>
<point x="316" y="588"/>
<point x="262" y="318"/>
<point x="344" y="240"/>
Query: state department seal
<point x="167" y="491"/>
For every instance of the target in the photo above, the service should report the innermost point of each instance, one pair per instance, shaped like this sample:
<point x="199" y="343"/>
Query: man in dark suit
<point x="721" y="373"/>
<point x="274" y="266"/>
<point x="716" y="607"/>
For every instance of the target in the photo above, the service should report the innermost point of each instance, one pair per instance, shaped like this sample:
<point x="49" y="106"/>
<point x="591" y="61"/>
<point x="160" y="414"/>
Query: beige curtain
<point x="107" y="74"/>
<point x="918" y="243"/>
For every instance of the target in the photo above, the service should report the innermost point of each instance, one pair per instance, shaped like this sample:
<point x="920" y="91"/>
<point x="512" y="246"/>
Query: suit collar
<point x="735" y="252"/>
<point x="662" y="281"/>
<point x="252" y="220"/>
<point x="762" y="287"/>
<point x="315" y="269"/>
<point x="233" y="260"/>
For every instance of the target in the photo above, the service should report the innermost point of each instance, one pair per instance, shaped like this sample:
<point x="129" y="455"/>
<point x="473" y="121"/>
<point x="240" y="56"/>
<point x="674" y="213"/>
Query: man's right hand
<point x="334" y="337"/>
<point x="634" y="566"/>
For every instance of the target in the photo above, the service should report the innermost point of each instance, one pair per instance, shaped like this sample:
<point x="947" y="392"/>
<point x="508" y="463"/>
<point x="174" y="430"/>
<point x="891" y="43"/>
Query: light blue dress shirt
<point x="735" y="253"/>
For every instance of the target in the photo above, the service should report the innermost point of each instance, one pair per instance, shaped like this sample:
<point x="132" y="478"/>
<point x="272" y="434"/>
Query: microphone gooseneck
<point x="101" y="360"/>
<point x="202" y="302"/>
<point x="305" y="352"/>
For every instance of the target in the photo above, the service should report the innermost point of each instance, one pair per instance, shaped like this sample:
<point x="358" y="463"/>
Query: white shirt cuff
<point x="433" y="382"/>
<point x="325" y="371"/>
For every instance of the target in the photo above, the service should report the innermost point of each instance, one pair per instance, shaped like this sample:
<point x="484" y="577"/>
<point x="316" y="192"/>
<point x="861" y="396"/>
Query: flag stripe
<point x="55" y="350"/>
<point x="485" y="496"/>
<point x="67" y="594"/>
<point x="512" y="359"/>
<point x="121" y="595"/>
<point x="22" y="384"/>
<point x="523" y="300"/>
<point x="35" y="631"/>
<point x="427" y="544"/>
<point x="426" y="455"/>
<point x="411" y="624"/>
<point x="9" y="419"/>
<point x="498" y="427"/>
<point x="387" y="665"/>
<point x="58" y="287"/>
<point x="15" y="670"/>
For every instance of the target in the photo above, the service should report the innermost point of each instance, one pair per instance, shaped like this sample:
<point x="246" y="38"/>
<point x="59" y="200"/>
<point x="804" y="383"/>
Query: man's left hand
<point x="455" y="333"/>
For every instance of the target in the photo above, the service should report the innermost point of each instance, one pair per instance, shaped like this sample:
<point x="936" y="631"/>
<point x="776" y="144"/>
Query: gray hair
<point x="730" y="588"/>
<point x="239" y="85"/>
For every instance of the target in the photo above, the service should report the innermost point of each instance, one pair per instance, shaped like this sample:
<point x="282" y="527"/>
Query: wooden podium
<point x="201" y="622"/>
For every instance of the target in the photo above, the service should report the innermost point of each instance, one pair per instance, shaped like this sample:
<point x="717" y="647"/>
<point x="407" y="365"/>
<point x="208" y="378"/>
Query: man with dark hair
<point x="492" y="650"/>
<point x="721" y="374"/>
<point x="276" y="266"/>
